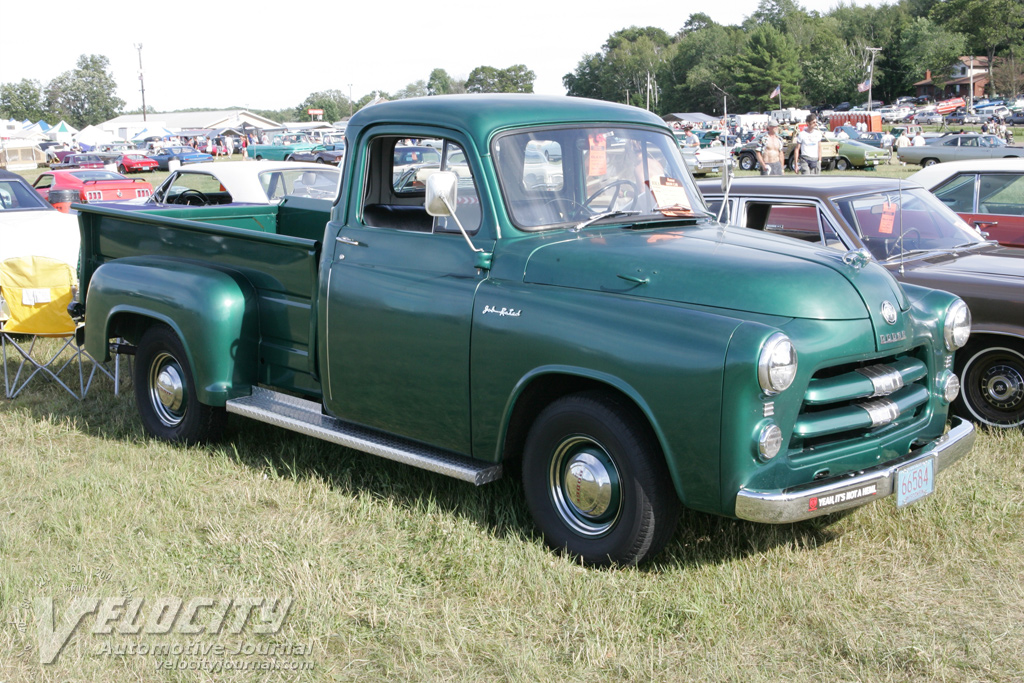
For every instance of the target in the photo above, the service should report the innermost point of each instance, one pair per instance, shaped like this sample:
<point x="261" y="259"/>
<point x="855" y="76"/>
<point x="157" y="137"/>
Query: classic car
<point x="183" y="155"/>
<point x="31" y="227"/>
<point x="987" y="193"/>
<point x="410" y="156"/>
<point x="92" y="185"/>
<point x="78" y="161"/>
<point x="240" y="182"/>
<point x="282" y="146"/>
<point x="958" y="148"/>
<point x="961" y="118"/>
<point x="856" y="154"/>
<point x="912" y="234"/>
<point x="873" y="138"/>
<point x="329" y="153"/>
<point x="135" y="162"/>
<point x="927" y="117"/>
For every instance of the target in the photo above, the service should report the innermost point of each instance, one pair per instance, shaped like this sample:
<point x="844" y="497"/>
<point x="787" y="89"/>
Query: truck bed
<point x="274" y="248"/>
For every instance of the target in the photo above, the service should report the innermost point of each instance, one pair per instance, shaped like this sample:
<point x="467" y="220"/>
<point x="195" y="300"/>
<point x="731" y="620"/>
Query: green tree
<point x="335" y="104"/>
<point x="414" y="89"/>
<point x="85" y="95"/>
<point x="768" y="60"/>
<point x="1008" y="71"/>
<point x="992" y="24"/>
<point x="698" y="62"/>
<point x="22" y="100"/>
<point x="926" y="46"/>
<point x="831" y="70"/>
<point x="488" y="79"/>
<point x="628" y="59"/>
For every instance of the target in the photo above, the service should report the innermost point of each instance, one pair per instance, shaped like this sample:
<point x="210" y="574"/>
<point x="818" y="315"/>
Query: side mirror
<point x="442" y="193"/>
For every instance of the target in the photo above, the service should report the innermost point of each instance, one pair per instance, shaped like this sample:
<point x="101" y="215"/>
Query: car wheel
<point x="122" y="170"/>
<point x="288" y="158"/>
<point x="595" y="481"/>
<point x="259" y="157"/>
<point x="165" y="391"/>
<point x="929" y="162"/>
<point x="842" y="164"/>
<point x="747" y="162"/>
<point x="992" y="385"/>
<point x="319" y="160"/>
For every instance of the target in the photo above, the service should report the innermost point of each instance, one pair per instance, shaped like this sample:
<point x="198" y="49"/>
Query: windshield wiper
<point x="598" y="216"/>
<point x="904" y="254"/>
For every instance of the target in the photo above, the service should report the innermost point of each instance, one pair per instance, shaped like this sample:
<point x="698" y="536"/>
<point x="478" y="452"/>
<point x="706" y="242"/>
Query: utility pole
<point x="142" y="83"/>
<point x="970" y="91"/>
<point x="871" y="73"/>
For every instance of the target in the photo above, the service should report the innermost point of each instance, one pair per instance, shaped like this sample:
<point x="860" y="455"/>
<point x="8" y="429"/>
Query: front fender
<point x="212" y="311"/>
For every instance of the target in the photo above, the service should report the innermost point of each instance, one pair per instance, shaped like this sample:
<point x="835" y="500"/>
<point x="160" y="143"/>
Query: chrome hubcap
<point x="1003" y="386"/>
<point x="584" y="486"/>
<point x="167" y="389"/>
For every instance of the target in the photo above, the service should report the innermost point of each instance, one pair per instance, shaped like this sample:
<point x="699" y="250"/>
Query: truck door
<point x="400" y="298"/>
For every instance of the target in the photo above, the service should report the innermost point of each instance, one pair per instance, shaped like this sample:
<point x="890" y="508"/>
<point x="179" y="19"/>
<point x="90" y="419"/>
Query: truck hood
<point x="734" y="269"/>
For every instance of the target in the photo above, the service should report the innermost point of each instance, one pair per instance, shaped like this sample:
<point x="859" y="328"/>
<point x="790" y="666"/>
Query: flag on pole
<point x="776" y="92"/>
<point x="865" y="86"/>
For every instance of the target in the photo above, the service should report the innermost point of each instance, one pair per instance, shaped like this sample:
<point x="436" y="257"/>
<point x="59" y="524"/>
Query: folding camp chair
<point x="36" y="291"/>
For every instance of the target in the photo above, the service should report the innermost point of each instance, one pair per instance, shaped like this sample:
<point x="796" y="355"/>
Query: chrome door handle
<point x="348" y="240"/>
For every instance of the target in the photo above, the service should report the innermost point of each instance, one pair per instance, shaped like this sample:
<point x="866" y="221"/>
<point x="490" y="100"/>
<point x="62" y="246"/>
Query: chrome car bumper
<point x="854" y="488"/>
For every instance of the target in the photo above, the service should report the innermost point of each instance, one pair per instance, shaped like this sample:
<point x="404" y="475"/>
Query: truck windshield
<point x="892" y="224"/>
<point x="566" y="176"/>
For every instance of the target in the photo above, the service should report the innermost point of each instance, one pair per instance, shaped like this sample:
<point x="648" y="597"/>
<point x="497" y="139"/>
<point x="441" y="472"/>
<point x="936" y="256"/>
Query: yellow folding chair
<point x="36" y="291"/>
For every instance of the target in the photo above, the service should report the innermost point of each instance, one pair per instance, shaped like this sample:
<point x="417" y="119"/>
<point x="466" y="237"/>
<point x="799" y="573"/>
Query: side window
<point x="44" y="182"/>
<point x="970" y="142"/>
<point x="396" y="175"/>
<point x="803" y="222"/>
<point x="953" y="142"/>
<point x="958" y="193"/>
<point x="1001" y="194"/>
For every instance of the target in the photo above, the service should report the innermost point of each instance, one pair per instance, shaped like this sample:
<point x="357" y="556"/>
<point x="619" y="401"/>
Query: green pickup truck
<point x="597" y="332"/>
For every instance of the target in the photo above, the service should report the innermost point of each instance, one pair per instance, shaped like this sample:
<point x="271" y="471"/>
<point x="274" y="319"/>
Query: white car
<point x="240" y="182"/>
<point x="31" y="227"/>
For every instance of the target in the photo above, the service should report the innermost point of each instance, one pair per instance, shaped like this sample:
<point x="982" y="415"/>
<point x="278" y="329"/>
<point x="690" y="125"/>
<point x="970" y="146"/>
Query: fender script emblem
<point x="502" y="311"/>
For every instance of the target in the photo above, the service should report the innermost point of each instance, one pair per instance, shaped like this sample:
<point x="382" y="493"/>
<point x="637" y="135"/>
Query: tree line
<point x="813" y="58"/>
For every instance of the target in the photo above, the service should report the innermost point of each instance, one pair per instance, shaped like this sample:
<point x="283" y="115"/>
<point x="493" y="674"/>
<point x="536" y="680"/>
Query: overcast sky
<point x="216" y="54"/>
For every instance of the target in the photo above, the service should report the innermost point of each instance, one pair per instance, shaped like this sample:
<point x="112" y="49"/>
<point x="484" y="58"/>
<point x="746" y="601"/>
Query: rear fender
<point x="212" y="311"/>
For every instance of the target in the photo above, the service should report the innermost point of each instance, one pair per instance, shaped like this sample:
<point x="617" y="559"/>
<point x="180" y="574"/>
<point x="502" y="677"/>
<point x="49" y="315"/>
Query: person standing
<point x="808" y="146"/>
<point x="690" y="141"/>
<point x="919" y="139"/>
<point x="888" y="140"/>
<point x="245" y="147"/>
<point x="769" y="151"/>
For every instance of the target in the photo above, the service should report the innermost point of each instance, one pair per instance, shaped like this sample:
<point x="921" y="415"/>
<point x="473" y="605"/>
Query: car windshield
<point x="318" y="183"/>
<point x="16" y="195"/>
<point x="98" y="175"/>
<point x="568" y="176"/>
<point x="894" y="224"/>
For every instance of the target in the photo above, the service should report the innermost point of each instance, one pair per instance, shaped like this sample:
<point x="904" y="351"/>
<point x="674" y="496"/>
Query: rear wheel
<point x="929" y="162"/>
<point x="596" y="482"/>
<point x="992" y="384"/>
<point x="842" y="164"/>
<point x="165" y="391"/>
<point x="747" y="162"/>
<point x="122" y="170"/>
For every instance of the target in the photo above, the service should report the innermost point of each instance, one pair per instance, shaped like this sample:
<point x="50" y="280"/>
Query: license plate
<point x="915" y="482"/>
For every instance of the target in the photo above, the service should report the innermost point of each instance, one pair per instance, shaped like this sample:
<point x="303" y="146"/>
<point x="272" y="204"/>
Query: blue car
<point x="184" y="155"/>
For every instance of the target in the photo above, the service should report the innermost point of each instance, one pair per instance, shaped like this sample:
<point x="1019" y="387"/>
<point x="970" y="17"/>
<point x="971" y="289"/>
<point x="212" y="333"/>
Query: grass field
<point x="395" y="574"/>
<point x="400" y="575"/>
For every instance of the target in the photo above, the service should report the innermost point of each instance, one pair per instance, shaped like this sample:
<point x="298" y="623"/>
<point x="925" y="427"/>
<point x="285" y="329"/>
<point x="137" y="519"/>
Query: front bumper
<point x="852" y="489"/>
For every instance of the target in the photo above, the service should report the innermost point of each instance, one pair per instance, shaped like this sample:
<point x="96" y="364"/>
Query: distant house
<point x="966" y="73"/>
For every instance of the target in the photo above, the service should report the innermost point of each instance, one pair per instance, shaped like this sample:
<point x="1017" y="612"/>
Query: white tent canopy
<point x="62" y="132"/>
<point x="93" y="135"/>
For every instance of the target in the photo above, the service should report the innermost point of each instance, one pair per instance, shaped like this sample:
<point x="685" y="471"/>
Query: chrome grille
<point x="853" y="400"/>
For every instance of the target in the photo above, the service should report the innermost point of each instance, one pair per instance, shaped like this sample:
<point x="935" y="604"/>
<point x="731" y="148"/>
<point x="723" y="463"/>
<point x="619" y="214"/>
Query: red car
<point x="92" y="185"/>
<point x="135" y="162"/>
<point x="78" y="161"/>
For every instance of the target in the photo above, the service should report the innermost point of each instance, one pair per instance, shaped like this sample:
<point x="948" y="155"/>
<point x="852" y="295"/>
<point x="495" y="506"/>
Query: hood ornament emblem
<point x="889" y="312"/>
<point x="858" y="258"/>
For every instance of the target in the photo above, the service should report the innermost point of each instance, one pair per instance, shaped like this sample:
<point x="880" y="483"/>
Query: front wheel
<point x="929" y="162"/>
<point x="165" y="391"/>
<point x="992" y="385"/>
<point x="747" y="162"/>
<point x="596" y="482"/>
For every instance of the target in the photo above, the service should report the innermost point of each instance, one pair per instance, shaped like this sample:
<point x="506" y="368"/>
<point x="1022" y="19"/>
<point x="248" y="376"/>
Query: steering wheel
<point x="185" y="197"/>
<point x="616" y="185"/>
<point x="895" y="246"/>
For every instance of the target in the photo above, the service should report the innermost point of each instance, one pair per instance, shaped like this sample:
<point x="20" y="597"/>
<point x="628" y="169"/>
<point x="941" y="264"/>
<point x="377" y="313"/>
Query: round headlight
<point x="769" y="441"/>
<point x="957" y="327"/>
<point x="776" y="368"/>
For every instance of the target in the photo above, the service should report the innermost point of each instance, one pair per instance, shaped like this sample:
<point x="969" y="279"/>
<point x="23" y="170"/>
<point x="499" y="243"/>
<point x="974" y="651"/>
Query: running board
<point x="306" y="417"/>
